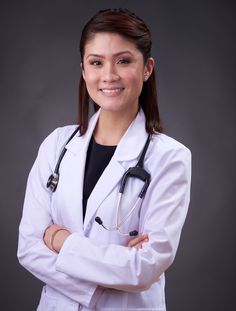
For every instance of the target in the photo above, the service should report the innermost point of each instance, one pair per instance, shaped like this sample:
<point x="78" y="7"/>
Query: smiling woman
<point x="85" y="264"/>
<point x="114" y="70"/>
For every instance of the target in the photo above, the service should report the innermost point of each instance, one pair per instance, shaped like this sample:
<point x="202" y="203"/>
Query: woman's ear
<point x="149" y="68"/>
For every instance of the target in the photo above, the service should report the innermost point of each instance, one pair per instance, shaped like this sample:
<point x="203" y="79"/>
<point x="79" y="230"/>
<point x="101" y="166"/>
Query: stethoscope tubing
<point x="137" y="171"/>
<point x="124" y="219"/>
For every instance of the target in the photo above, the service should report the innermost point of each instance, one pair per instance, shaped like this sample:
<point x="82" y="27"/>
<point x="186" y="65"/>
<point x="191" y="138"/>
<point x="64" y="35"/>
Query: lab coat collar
<point x="80" y="143"/>
<point x="130" y="145"/>
<point x="132" y="142"/>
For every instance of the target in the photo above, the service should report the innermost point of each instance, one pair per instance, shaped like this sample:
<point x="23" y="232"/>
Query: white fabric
<point x="95" y="270"/>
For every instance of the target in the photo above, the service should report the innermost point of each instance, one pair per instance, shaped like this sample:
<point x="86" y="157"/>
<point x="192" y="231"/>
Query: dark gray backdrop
<point x="194" y="47"/>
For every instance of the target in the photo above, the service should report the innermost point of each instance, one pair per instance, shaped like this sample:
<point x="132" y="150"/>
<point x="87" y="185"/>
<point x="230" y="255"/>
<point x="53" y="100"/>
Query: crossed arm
<point x="55" y="236"/>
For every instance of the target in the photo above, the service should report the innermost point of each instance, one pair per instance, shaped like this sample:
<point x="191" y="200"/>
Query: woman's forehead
<point x="104" y="42"/>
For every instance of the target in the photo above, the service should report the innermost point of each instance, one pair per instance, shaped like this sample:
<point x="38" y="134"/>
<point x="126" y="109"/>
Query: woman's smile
<point x="110" y="92"/>
<point x="113" y="65"/>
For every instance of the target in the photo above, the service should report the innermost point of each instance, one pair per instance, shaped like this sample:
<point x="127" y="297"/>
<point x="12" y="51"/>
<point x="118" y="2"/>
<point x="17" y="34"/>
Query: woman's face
<point x="113" y="69"/>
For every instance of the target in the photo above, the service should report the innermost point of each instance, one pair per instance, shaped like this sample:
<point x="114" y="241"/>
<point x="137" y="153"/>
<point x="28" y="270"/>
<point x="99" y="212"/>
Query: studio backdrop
<point x="194" y="49"/>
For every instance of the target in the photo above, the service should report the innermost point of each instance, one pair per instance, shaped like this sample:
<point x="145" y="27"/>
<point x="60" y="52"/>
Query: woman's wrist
<point x="55" y="236"/>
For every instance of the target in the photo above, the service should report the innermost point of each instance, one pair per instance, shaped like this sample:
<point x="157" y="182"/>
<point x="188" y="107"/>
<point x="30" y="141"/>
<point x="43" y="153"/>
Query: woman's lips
<point x="112" y="91"/>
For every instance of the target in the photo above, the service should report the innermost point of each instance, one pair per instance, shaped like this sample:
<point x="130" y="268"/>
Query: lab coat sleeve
<point x="32" y="252"/>
<point x="162" y="216"/>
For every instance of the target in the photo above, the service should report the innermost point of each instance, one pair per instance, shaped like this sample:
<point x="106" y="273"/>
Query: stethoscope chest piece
<point x="53" y="182"/>
<point x="54" y="177"/>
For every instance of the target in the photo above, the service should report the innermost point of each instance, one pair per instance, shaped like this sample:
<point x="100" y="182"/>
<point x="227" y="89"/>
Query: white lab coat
<point x="95" y="270"/>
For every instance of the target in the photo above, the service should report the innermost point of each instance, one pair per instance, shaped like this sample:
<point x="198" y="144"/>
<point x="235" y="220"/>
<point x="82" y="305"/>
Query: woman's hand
<point x="55" y="236"/>
<point x="138" y="241"/>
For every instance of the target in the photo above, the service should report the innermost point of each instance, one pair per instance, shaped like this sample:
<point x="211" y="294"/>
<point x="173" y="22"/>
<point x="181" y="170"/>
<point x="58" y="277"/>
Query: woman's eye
<point x="123" y="61"/>
<point x="95" y="62"/>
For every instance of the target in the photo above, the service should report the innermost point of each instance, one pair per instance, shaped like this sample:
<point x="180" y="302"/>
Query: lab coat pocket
<point x="47" y="303"/>
<point x="52" y="300"/>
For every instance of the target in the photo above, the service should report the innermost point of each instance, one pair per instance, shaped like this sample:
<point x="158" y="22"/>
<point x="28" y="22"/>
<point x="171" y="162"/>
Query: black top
<point x="98" y="157"/>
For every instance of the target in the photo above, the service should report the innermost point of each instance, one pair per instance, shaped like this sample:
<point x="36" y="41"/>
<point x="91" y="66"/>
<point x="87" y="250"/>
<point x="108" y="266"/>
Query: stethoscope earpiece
<point x="98" y="220"/>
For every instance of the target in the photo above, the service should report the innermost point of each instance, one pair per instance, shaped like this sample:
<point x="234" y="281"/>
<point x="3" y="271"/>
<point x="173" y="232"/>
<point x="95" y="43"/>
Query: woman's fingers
<point x="138" y="241"/>
<point x="140" y="245"/>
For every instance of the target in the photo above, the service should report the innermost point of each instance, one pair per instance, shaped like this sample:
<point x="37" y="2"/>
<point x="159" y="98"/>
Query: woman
<point x="62" y="240"/>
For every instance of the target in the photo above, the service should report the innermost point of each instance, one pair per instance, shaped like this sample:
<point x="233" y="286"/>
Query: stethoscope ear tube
<point x="136" y="172"/>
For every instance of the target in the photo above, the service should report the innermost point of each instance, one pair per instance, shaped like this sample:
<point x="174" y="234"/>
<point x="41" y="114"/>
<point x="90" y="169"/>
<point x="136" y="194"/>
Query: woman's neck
<point x="112" y="126"/>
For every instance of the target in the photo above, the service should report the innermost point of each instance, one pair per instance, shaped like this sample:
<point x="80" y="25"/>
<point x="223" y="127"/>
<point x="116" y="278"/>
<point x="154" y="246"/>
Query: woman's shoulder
<point x="58" y="138"/>
<point x="61" y="133"/>
<point x="166" y="145"/>
<point x="166" y="153"/>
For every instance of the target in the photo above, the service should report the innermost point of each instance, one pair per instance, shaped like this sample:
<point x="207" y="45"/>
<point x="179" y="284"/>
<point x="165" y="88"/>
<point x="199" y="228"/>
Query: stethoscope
<point x="137" y="171"/>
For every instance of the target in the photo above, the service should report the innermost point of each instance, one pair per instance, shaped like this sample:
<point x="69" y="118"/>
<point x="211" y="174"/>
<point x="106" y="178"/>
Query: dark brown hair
<point x="128" y="25"/>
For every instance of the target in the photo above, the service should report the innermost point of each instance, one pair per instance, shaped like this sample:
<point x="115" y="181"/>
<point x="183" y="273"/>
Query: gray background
<point x="194" y="47"/>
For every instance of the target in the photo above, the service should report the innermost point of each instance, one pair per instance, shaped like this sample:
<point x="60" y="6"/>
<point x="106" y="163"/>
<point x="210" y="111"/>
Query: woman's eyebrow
<point x="116" y="54"/>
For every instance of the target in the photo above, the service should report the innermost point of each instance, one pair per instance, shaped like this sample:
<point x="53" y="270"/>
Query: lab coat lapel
<point x="74" y="174"/>
<point x="128" y="149"/>
<point x="108" y="180"/>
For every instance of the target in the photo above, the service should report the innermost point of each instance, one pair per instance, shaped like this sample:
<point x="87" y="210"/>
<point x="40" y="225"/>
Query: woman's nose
<point x="110" y="73"/>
